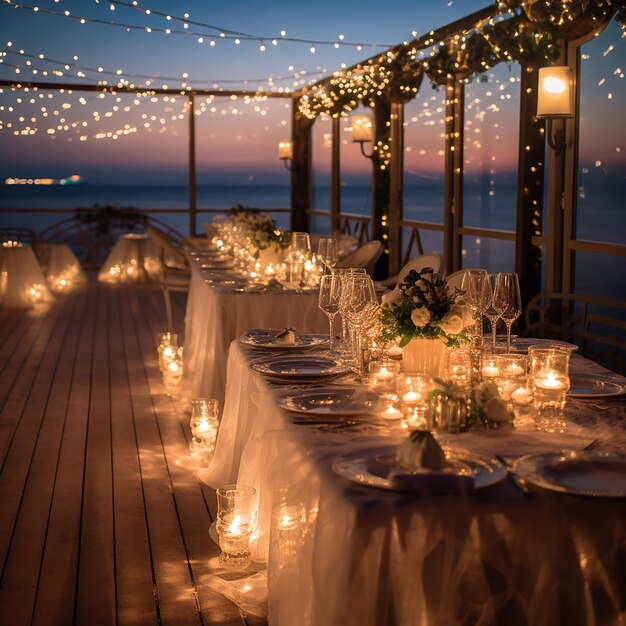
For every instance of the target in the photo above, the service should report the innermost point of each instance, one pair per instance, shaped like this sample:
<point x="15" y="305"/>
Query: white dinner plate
<point x="521" y="344"/>
<point x="575" y="473"/>
<point x="375" y="466"/>
<point x="329" y="402"/>
<point x="307" y="367"/>
<point x="589" y="386"/>
<point x="265" y="339"/>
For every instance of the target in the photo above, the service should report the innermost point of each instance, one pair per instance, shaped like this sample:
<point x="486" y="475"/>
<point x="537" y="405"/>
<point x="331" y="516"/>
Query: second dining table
<point x="220" y="307"/>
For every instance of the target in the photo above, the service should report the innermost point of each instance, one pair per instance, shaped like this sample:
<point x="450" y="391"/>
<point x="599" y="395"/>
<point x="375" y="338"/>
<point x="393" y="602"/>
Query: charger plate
<point x="574" y="473"/>
<point x="301" y="367"/>
<point x="595" y="387"/>
<point x="373" y="467"/>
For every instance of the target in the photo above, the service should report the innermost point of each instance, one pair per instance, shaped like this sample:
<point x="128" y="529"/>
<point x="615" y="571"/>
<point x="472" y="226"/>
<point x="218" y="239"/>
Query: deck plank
<point x="95" y="591"/>
<point x="137" y="601"/>
<point x="102" y="519"/>
<point x="29" y="472"/>
<point x="191" y="500"/>
<point x="56" y="592"/>
<point x="176" y="593"/>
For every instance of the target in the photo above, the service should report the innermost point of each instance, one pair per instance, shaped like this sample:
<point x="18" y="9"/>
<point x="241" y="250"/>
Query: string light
<point x="223" y="33"/>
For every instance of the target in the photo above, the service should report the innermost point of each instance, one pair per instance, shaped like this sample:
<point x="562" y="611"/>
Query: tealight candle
<point x="415" y="393"/>
<point x="521" y="396"/>
<point x="549" y="382"/>
<point x="490" y="371"/>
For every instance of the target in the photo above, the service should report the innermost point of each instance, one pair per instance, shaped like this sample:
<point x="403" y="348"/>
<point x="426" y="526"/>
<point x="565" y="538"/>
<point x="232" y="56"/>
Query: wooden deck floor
<point x="101" y="519"/>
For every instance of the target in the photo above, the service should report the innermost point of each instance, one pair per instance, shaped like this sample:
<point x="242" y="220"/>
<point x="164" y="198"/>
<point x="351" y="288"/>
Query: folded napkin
<point x="431" y="482"/>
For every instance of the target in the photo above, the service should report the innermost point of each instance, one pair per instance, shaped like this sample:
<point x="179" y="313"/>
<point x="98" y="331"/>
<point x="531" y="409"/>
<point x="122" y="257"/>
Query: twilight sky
<point x="237" y="141"/>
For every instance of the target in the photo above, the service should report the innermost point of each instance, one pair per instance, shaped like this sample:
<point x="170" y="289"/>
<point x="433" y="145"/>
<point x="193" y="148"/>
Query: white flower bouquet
<point x="422" y="307"/>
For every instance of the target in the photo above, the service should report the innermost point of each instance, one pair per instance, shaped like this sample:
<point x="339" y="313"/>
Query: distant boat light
<point x="74" y="179"/>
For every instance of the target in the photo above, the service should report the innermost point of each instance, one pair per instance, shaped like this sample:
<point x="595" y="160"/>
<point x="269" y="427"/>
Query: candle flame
<point x="235" y="525"/>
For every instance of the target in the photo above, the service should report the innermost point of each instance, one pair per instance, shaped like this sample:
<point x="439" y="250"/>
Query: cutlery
<point x="520" y="484"/>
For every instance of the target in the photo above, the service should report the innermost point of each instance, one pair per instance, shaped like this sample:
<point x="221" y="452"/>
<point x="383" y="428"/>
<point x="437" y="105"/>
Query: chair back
<point x="365" y="257"/>
<point x="432" y="259"/>
<point x="170" y="256"/>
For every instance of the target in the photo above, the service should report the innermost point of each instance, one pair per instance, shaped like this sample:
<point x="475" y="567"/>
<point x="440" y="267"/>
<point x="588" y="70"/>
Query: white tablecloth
<point x="132" y="259"/>
<point x="21" y="278"/>
<point x="216" y="314"/>
<point x="347" y="554"/>
<point x="62" y="269"/>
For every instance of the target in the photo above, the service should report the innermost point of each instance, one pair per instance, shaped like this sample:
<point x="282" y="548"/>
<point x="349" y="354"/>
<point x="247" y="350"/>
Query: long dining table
<point x="342" y="553"/>
<point x="221" y="305"/>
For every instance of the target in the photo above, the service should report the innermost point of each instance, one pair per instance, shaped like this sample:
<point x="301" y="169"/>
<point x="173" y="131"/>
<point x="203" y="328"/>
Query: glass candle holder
<point x="235" y="525"/>
<point x="414" y="393"/>
<point x="390" y="407"/>
<point x="172" y="371"/>
<point x="512" y="374"/>
<point x="167" y="343"/>
<point x="460" y="367"/>
<point x="383" y="375"/>
<point x="204" y="425"/>
<point x="549" y="379"/>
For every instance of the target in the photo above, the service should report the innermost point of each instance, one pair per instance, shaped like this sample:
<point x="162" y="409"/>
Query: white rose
<point x="451" y="324"/>
<point x="390" y="299"/>
<point x="420" y="317"/>
<point x="464" y="312"/>
<point x="484" y="392"/>
<point x="496" y="410"/>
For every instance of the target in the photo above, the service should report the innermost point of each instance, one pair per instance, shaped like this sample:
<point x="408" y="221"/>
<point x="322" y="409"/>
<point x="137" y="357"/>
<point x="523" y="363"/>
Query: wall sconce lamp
<point x="555" y="101"/>
<point x="362" y="131"/>
<point x="285" y="154"/>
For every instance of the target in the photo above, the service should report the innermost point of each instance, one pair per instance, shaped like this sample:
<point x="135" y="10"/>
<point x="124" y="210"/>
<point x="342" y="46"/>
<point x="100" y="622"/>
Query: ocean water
<point x="600" y="216"/>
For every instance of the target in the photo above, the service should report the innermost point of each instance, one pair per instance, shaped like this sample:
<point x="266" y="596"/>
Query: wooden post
<point x="555" y="196"/>
<point x="192" y="166"/>
<point x="301" y="164"/>
<point x="335" y="175"/>
<point x="530" y="173"/>
<point x="380" y="183"/>
<point x="453" y="174"/>
<point x="396" y="182"/>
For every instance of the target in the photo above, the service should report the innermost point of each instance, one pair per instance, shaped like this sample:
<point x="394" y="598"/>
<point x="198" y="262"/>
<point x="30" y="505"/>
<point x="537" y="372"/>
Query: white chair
<point x="175" y="269"/>
<point x="365" y="257"/>
<point x="432" y="259"/>
<point x="455" y="280"/>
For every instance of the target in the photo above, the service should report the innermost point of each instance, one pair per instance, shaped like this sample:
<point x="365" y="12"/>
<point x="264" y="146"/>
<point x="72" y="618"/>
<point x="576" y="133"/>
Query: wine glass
<point x="329" y="296"/>
<point x="327" y="251"/>
<point x="490" y="312"/>
<point x="507" y="300"/>
<point x="473" y="286"/>
<point x="299" y="252"/>
<point x="358" y="302"/>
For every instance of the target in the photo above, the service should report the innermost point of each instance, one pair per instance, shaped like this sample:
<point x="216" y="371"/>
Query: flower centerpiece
<point x="428" y="318"/>
<point x="262" y="233"/>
